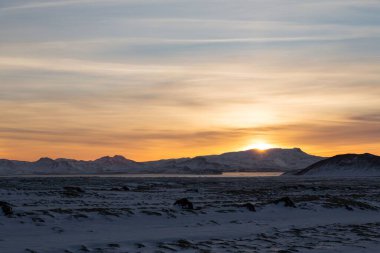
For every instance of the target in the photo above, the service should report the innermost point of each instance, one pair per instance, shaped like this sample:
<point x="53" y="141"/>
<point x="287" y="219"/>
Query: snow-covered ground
<point x="330" y="215"/>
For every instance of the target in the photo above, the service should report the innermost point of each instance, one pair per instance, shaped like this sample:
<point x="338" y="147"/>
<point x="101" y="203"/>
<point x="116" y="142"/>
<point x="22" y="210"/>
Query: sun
<point x="259" y="146"/>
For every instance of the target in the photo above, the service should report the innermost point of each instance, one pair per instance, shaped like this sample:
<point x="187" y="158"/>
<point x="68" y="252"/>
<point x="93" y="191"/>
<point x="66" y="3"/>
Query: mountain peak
<point x="119" y="157"/>
<point x="45" y="159"/>
<point x="116" y="159"/>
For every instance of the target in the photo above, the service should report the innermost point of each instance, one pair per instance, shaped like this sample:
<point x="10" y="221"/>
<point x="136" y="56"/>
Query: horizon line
<point x="174" y="158"/>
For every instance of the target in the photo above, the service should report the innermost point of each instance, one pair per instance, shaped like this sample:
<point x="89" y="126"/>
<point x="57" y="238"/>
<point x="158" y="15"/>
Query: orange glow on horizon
<point x="260" y="146"/>
<point x="162" y="151"/>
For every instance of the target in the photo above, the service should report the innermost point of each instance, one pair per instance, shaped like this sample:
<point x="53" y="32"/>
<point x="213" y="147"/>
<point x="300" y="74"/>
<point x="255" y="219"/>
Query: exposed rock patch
<point x="251" y="207"/>
<point x="6" y="207"/>
<point x="72" y="191"/>
<point x="184" y="203"/>
<point x="286" y="201"/>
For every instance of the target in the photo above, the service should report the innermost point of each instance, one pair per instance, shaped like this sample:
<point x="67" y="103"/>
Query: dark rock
<point x="114" y="245"/>
<point x="125" y="188"/>
<point x="349" y="204"/>
<point x="192" y="190"/>
<point x="38" y="219"/>
<point x="84" y="248"/>
<point x="286" y="201"/>
<point x="348" y="208"/>
<point x="30" y="251"/>
<point x="73" y="189"/>
<point x="184" y="203"/>
<point x="143" y="188"/>
<point x="6" y="207"/>
<point x="249" y="206"/>
<point x="184" y="244"/>
<point x="293" y="187"/>
<point x="140" y="245"/>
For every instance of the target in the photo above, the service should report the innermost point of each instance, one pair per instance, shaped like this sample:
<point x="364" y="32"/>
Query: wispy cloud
<point x="60" y="3"/>
<point x="164" y="78"/>
<point x="373" y="117"/>
<point x="73" y="65"/>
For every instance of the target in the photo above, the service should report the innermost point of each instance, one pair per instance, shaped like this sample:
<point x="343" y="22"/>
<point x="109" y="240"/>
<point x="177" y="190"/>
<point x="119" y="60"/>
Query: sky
<point x="154" y="79"/>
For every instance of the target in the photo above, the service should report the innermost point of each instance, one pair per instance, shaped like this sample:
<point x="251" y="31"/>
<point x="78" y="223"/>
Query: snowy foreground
<point x="137" y="215"/>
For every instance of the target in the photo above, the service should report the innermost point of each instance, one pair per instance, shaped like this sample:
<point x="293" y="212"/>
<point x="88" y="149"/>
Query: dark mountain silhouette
<point x="344" y="165"/>
<point x="276" y="159"/>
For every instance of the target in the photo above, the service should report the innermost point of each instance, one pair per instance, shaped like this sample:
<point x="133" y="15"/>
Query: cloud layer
<point x="155" y="79"/>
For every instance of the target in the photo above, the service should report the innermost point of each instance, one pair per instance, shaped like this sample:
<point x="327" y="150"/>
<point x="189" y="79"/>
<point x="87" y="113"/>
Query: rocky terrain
<point x="118" y="215"/>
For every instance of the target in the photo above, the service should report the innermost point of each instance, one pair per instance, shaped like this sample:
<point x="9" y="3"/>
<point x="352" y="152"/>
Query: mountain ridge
<point x="276" y="159"/>
<point x="343" y="165"/>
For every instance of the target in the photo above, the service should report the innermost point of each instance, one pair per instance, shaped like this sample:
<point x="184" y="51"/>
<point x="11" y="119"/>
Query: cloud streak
<point x="61" y="3"/>
<point x="158" y="79"/>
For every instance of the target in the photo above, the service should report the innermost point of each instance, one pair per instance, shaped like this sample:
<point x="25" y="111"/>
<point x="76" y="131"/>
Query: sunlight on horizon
<point x="259" y="145"/>
<point x="161" y="79"/>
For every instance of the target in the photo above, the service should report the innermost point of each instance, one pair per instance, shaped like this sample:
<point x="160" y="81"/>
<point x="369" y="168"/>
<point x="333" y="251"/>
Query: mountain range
<point x="253" y="160"/>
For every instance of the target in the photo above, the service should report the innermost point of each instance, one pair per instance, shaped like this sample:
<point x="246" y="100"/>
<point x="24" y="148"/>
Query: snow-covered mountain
<point x="347" y="165"/>
<point x="275" y="159"/>
<point x="196" y="165"/>
<point x="250" y="160"/>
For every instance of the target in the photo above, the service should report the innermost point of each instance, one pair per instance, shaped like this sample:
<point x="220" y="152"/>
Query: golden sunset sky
<point x="152" y="79"/>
